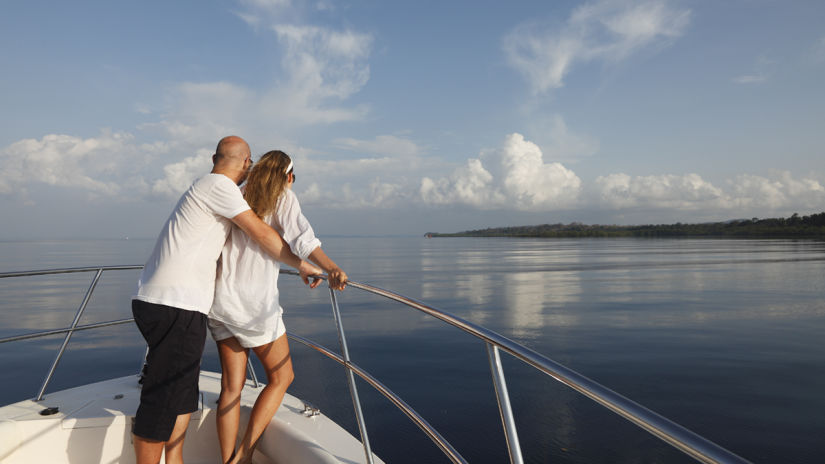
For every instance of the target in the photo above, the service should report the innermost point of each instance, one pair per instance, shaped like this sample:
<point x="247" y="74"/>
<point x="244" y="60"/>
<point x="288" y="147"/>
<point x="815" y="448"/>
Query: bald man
<point x="175" y="294"/>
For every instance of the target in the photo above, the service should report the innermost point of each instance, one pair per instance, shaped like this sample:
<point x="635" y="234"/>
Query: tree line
<point x="812" y="226"/>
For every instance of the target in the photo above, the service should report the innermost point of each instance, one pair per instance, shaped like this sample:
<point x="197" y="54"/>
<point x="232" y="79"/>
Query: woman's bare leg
<point x="233" y="375"/>
<point x="278" y="364"/>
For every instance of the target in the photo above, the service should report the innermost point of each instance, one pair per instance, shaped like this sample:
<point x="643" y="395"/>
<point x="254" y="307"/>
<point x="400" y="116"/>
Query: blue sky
<point x="408" y="117"/>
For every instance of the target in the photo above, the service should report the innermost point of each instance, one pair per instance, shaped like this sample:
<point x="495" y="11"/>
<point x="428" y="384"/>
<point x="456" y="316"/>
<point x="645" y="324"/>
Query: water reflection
<point x="695" y="329"/>
<point x="533" y="300"/>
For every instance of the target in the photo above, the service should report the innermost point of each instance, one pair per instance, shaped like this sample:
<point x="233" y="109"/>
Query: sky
<point x="409" y="117"/>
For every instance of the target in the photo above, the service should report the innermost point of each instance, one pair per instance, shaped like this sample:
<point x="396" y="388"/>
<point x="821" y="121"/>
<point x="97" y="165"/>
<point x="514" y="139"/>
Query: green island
<point x="812" y="226"/>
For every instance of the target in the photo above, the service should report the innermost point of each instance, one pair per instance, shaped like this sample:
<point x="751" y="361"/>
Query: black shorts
<point x="170" y="384"/>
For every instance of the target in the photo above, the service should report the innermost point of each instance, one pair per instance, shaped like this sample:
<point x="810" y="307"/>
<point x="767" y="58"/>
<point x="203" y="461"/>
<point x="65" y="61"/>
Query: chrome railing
<point x="671" y="433"/>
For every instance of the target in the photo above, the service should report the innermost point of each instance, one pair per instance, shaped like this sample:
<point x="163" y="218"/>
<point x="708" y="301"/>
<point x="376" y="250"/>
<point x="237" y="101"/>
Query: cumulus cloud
<point x="516" y="176"/>
<point x="177" y="177"/>
<point x="102" y="165"/>
<point x="745" y="194"/>
<point x="684" y="192"/>
<point x="359" y="183"/>
<point x="606" y="31"/>
<point x="111" y="165"/>
<point x="469" y="185"/>
<point x="781" y="191"/>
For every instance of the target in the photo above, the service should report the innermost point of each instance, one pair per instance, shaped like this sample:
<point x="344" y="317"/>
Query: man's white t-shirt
<point x="181" y="270"/>
<point x="246" y="294"/>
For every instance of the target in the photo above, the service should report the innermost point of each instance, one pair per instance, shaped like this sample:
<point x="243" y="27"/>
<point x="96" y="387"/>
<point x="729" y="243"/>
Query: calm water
<point x="724" y="337"/>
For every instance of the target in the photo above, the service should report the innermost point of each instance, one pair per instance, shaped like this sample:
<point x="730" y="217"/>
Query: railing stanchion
<point x="350" y="377"/>
<point x="69" y="333"/>
<point x="252" y="371"/>
<point x="504" y="407"/>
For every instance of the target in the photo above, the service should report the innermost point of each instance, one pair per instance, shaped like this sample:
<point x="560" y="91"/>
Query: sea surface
<point x="725" y="337"/>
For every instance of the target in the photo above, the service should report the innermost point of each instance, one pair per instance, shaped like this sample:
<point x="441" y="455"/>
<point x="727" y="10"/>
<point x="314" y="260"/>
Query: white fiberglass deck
<point x="93" y="424"/>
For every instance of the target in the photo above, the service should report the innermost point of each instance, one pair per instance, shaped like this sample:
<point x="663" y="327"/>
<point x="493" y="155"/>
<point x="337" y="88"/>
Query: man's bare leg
<point x="147" y="451"/>
<point x="150" y="451"/>
<point x="174" y="447"/>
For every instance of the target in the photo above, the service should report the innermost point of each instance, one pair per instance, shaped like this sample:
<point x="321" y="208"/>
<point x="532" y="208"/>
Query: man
<point x="175" y="293"/>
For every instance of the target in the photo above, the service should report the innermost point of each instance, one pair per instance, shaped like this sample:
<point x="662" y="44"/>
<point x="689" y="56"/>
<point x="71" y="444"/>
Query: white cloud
<point x="607" y="31"/>
<point x="267" y="4"/>
<point x="516" y="177"/>
<point x="685" y="192"/>
<point x="206" y="111"/>
<point x="102" y="165"/>
<point x="746" y="195"/>
<point x="112" y="165"/>
<point x="780" y="192"/>
<point x="469" y="185"/>
<point x="360" y="183"/>
<point x="324" y="63"/>
<point x="387" y="145"/>
<point x="750" y="79"/>
<point x="762" y="69"/>
<point x="320" y="69"/>
<point x="818" y="51"/>
<point x="179" y="176"/>
<point x="559" y="142"/>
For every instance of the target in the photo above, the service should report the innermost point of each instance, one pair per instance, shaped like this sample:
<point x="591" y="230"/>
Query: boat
<point x="91" y="423"/>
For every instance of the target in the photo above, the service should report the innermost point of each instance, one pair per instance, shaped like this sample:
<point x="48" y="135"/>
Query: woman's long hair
<point x="266" y="182"/>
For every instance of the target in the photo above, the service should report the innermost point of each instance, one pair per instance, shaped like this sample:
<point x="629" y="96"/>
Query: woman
<point x="246" y="314"/>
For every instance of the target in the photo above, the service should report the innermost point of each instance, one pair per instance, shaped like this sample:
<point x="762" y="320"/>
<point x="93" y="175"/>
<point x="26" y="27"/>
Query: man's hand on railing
<point x="309" y="271"/>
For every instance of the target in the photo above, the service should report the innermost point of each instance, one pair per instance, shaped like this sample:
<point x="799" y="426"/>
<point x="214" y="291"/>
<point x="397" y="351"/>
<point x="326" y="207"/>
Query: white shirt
<point x="181" y="270"/>
<point x="246" y="292"/>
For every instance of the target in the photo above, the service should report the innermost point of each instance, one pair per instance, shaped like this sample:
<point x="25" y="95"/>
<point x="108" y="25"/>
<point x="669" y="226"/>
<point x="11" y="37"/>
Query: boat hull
<point x="93" y="425"/>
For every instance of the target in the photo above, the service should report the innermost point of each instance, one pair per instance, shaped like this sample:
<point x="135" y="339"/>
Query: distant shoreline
<point x="795" y="226"/>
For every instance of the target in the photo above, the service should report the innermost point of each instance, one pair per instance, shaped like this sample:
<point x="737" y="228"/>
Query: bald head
<point x="232" y="158"/>
<point x="232" y="147"/>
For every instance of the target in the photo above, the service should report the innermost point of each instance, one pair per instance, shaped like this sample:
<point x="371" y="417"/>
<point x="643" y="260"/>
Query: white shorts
<point x="247" y="337"/>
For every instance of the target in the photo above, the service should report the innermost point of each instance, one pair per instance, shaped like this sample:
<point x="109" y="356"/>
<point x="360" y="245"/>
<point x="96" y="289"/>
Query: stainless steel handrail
<point x="446" y="448"/>
<point x="675" y="435"/>
<point x="695" y="446"/>
<point x="70" y="270"/>
<point x="79" y="328"/>
<point x="69" y="331"/>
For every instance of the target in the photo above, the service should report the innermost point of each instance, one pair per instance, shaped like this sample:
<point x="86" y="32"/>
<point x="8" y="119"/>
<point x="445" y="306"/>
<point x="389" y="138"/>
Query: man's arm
<point x="337" y="277"/>
<point x="274" y="245"/>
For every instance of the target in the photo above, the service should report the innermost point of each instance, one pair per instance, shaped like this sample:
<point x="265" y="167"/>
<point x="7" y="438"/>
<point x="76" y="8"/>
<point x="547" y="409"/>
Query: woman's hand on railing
<point x="337" y="279"/>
